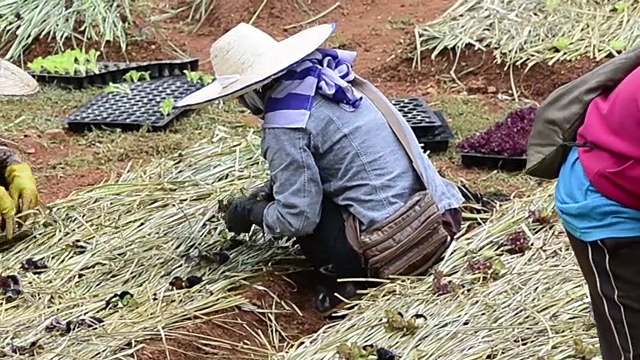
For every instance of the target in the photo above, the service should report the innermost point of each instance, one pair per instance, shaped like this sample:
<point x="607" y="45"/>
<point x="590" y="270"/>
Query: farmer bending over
<point x="359" y="200"/>
<point x="18" y="191"/>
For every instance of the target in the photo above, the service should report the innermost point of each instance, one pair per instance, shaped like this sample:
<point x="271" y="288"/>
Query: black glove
<point x="263" y="192"/>
<point x="244" y="212"/>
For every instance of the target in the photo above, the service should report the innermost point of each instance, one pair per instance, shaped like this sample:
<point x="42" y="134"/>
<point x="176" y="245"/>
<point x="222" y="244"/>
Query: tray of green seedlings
<point x="137" y="103"/>
<point x="78" y="69"/>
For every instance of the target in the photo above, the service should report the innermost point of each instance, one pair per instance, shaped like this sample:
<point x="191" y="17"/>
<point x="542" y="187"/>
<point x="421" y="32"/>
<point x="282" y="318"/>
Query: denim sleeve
<point x="296" y="183"/>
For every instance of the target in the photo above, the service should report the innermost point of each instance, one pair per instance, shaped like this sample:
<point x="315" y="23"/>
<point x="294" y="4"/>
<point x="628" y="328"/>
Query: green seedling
<point x="37" y="64"/>
<point x="197" y="76"/>
<point x="206" y="79"/>
<point x="193" y="76"/>
<point x="80" y="57"/>
<point x="584" y="350"/>
<point x="354" y="352"/>
<point x="93" y="56"/>
<point x="620" y="6"/>
<point x="135" y="76"/>
<point x="551" y="4"/>
<point x="93" y="66"/>
<point x="561" y="43"/>
<point x="166" y="106"/>
<point x="68" y="62"/>
<point x="395" y="321"/>
<point x="486" y="269"/>
<point x="92" y="63"/>
<point x="121" y="300"/>
<point x="117" y="88"/>
<point x="618" y="45"/>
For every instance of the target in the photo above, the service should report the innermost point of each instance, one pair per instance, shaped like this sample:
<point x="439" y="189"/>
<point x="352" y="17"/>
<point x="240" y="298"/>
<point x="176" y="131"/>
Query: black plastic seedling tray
<point x="114" y="72"/>
<point x="438" y="141"/>
<point x="493" y="162"/>
<point x="418" y="114"/>
<point x="132" y="111"/>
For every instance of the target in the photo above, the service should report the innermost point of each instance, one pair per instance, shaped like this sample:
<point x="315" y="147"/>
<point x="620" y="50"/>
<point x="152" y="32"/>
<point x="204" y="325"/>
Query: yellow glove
<point x="22" y="187"/>
<point x="7" y="212"/>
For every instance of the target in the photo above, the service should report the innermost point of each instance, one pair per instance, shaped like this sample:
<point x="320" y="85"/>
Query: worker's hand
<point x="22" y="187"/>
<point x="7" y="213"/>
<point x="243" y="213"/>
<point x="263" y="192"/>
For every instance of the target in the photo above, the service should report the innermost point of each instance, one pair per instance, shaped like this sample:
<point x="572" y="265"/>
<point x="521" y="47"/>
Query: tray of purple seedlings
<point x="503" y="146"/>
<point x="134" y="106"/>
<point x="415" y="110"/>
<point x="438" y="141"/>
<point x="115" y="72"/>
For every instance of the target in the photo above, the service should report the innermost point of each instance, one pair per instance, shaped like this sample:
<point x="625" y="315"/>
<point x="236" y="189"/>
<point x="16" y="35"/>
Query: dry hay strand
<point x="537" y="308"/>
<point x="528" y="32"/>
<point x="134" y="235"/>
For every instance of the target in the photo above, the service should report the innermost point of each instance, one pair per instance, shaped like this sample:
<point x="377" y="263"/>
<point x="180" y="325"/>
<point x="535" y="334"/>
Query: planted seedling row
<point x="77" y="69"/>
<point x="131" y="106"/>
<point x="503" y="146"/>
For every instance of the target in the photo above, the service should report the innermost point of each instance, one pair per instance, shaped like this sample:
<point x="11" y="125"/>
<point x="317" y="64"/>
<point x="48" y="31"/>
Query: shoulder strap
<point x="392" y="116"/>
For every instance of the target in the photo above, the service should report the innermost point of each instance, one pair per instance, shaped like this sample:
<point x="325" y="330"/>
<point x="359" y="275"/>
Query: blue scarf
<point x="327" y="72"/>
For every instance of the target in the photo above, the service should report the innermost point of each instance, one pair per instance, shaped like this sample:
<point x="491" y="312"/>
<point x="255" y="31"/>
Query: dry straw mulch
<point x="536" y="307"/>
<point x="133" y="235"/>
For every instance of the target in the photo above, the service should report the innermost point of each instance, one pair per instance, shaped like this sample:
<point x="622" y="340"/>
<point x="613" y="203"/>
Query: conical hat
<point x="15" y="81"/>
<point x="246" y="58"/>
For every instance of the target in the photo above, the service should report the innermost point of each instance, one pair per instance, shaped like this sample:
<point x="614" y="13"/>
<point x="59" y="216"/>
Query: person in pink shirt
<point x="598" y="200"/>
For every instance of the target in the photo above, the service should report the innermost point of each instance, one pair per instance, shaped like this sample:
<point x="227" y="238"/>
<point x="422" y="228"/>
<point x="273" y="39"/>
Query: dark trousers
<point x="328" y="245"/>
<point x="611" y="268"/>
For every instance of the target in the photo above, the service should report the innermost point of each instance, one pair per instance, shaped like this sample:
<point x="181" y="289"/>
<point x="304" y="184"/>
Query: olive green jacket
<point x="562" y="113"/>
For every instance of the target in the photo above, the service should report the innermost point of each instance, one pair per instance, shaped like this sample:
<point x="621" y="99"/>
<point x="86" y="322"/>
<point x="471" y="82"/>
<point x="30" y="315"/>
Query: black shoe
<point x="327" y="303"/>
<point x="326" y="300"/>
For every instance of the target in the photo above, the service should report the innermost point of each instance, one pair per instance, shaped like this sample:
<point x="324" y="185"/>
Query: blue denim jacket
<point x="352" y="157"/>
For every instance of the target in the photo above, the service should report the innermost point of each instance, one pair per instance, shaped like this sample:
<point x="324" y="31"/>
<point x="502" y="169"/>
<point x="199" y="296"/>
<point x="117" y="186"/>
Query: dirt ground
<point x="289" y="295"/>
<point x="379" y="30"/>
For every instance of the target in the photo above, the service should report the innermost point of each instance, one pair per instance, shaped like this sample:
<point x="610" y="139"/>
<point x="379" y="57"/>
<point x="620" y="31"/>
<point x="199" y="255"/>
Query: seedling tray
<point x="114" y="72"/>
<point x="438" y="141"/>
<point x="134" y="110"/>
<point x="493" y="162"/>
<point x="418" y="114"/>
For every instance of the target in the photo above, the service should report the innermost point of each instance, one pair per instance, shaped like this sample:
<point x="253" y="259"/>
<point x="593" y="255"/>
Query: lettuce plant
<point x="508" y="137"/>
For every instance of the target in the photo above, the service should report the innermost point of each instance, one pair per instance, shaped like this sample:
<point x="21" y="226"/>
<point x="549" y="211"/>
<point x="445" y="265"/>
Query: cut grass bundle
<point x="133" y="237"/>
<point x="499" y="299"/>
<point x="528" y="32"/>
<point x="22" y="22"/>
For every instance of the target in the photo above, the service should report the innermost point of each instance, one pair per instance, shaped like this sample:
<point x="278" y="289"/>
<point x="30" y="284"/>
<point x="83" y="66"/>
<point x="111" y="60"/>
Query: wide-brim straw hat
<point x="246" y="58"/>
<point x="15" y="81"/>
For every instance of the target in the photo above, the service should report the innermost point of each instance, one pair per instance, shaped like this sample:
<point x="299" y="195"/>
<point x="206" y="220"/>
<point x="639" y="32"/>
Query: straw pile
<point x="23" y="22"/>
<point x="527" y="32"/>
<point x="537" y="309"/>
<point x="133" y="235"/>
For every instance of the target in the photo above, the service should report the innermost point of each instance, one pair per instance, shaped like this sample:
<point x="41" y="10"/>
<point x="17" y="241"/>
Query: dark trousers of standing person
<point x="611" y="268"/>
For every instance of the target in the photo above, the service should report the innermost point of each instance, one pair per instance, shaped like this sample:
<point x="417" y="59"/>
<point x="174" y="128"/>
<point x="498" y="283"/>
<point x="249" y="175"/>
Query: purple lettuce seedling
<point x="508" y="137"/>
